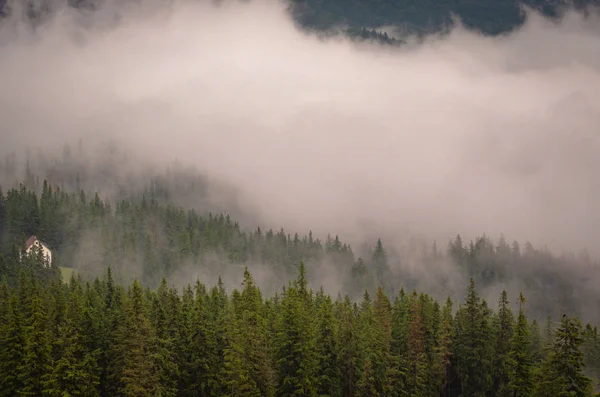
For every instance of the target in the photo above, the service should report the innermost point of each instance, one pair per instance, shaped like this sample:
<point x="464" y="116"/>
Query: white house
<point x="33" y="245"/>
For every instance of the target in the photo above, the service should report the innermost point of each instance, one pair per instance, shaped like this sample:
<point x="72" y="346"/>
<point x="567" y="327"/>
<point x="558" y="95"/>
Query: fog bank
<point x="459" y="134"/>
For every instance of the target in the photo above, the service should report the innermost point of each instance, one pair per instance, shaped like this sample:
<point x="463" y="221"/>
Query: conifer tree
<point x="350" y="354"/>
<point x="561" y="373"/>
<point x="219" y="304"/>
<point x="202" y="343"/>
<point x="380" y="263"/>
<point x="163" y="322"/>
<point x="112" y="362"/>
<point x="75" y="372"/>
<point x="37" y="359"/>
<point x="417" y="359"/>
<point x="520" y="361"/>
<point x="366" y="325"/>
<point x="591" y="352"/>
<point x="472" y="344"/>
<point x="239" y="374"/>
<point x="328" y="382"/>
<point x="248" y="362"/>
<point x="399" y="369"/>
<point x="139" y="376"/>
<point x="443" y="352"/>
<point x="12" y="340"/>
<point x="185" y="327"/>
<point x="296" y="361"/>
<point x="536" y="346"/>
<point x="503" y="329"/>
<point x="382" y="338"/>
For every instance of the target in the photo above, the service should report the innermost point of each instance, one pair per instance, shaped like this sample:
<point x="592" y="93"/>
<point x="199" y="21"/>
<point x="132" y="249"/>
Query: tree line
<point x="103" y="338"/>
<point x="119" y="328"/>
<point x="147" y="237"/>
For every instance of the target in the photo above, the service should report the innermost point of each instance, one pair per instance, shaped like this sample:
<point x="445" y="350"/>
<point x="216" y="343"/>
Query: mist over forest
<point x="142" y="212"/>
<point x="247" y="145"/>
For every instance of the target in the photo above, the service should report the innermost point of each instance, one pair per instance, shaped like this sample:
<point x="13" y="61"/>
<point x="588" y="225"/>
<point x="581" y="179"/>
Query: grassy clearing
<point x="66" y="273"/>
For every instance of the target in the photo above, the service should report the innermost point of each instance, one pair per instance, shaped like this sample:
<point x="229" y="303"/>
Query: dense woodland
<point x="150" y="230"/>
<point x="102" y="338"/>
<point x="119" y="328"/>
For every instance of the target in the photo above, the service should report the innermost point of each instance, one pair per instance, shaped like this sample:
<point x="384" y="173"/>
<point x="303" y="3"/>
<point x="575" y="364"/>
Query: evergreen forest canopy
<point x="101" y="338"/>
<point x="273" y="312"/>
<point x="119" y="328"/>
<point x="165" y="226"/>
<point x="364" y="18"/>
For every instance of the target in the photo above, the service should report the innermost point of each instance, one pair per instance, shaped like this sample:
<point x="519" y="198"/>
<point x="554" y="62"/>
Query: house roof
<point x="30" y="241"/>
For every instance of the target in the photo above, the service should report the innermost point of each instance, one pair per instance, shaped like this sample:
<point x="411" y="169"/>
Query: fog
<point x="457" y="134"/>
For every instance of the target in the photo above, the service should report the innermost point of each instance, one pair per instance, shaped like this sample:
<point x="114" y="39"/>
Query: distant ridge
<point x="490" y="17"/>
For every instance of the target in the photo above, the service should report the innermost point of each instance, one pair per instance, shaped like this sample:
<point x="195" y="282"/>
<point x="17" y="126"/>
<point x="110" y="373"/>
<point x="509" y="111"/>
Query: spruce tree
<point x="75" y="372"/>
<point x="296" y="361"/>
<point x="418" y="369"/>
<point x="472" y="346"/>
<point x="503" y="329"/>
<point x="37" y="360"/>
<point x="163" y="314"/>
<point x="443" y="352"/>
<point x="536" y="347"/>
<point x="12" y="341"/>
<point x="382" y="337"/>
<point x="139" y="376"/>
<point x="398" y="372"/>
<point x="328" y="377"/>
<point x="561" y="373"/>
<point x="247" y="359"/>
<point x="520" y="359"/>
<point x="381" y="266"/>
<point x="350" y="349"/>
<point x="239" y="374"/>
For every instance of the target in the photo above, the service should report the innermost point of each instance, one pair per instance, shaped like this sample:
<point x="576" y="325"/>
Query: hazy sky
<point x="465" y="134"/>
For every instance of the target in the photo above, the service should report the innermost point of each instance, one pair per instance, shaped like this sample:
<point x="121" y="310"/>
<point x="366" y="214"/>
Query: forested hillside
<point x="102" y="338"/>
<point x="386" y="323"/>
<point x="165" y="226"/>
<point x="169" y="281"/>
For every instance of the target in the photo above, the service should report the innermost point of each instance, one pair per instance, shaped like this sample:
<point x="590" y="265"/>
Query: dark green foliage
<point x="474" y="346"/>
<point x="350" y="351"/>
<point x="328" y="378"/>
<point x="99" y="339"/>
<point x="248" y="364"/>
<point x="520" y="359"/>
<point x="12" y="340"/>
<point x="146" y="238"/>
<point x="36" y="363"/>
<point x="139" y="374"/>
<point x="561" y="373"/>
<point x="443" y="352"/>
<point x="75" y="370"/>
<point x="295" y="340"/>
<point x="106" y="334"/>
<point x="381" y="266"/>
<point x="503" y="329"/>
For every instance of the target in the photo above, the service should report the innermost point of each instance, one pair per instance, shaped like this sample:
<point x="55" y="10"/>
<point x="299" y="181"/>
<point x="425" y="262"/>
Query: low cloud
<point x="457" y="134"/>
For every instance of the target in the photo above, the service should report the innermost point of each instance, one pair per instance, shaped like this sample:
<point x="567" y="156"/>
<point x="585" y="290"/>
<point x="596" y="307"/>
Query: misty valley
<point x="265" y="198"/>
<point x="143" y="297"/>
